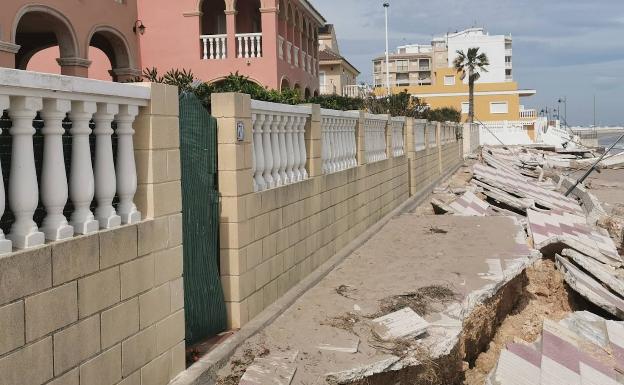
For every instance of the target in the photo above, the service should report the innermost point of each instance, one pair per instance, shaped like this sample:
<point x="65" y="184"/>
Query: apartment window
<point x="507" y="59"/>
<point x="465" y="108"/>
<point x="377" y="66"/>
<point x="499" y="108"/>
<point x="423" y="64"/>
<point x="322" y="78"/>
<point x="402" y="65"/>
<point x="449" y="80"/>
<point x="402" y="79"/>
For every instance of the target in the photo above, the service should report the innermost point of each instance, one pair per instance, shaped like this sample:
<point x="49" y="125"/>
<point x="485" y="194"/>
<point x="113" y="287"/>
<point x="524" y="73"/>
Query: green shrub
<point x="444" y="114"/>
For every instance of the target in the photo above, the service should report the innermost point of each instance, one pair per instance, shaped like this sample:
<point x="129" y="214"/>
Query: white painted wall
<point x="492" y="46"/>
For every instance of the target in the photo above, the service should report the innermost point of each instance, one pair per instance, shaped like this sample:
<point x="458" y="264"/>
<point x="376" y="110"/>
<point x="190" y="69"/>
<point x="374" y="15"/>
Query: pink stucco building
<point x="273" y="42"/>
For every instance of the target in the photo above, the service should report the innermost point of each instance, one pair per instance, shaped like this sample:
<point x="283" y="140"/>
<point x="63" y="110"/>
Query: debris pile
<point x="512" y="181"/>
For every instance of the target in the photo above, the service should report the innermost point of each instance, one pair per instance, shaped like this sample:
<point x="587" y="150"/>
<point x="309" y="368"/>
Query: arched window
<point x="248" y="17"/>
<point x="213" y="18"/>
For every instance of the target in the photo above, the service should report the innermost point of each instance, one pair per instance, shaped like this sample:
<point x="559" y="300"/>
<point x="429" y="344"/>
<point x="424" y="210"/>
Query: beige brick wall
<point x="271" y="240"/>
<point x="108" y="307"/>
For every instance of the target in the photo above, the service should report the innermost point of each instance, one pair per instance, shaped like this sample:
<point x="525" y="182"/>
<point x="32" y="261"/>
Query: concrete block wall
<point x="105" y="308"/>
<point x="271" y="240"/>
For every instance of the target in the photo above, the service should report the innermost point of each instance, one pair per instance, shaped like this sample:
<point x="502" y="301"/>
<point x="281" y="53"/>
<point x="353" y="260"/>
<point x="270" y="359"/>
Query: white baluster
<point x="282" y="150"/>
<point x="240" y="46"/>
<point x="353" y="141"/>
<point x="302" y="149"/>
<point x="296" y="153"/>
<point x="254" y="118"/>
<point x="246" y="46"/>
<point x="6" y="246"/>
<point x="331" y="149"/>
<point x="259" y="45"/>
<point x="126" y="166"/>
<point x="81" y="180"/>
<point x="343" y="144"/>
<point x="259" y="152"/>
<point x="324" y="146"/>
<point x="290" y="150"/>
<point x="23" y="188"/>
<point x="54" y="190"/>
<point x="205" y="41"/>
<point x="268" y="152"/>
<point x="105" y="180"/>
<point x="337" y="139"/>
<point x="212" y="48"/>
<point x="277" y="160"/>
<point x="224" y="51"/>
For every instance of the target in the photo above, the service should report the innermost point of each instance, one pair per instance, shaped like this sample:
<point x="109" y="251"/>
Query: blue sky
<point x="571" y="48"/>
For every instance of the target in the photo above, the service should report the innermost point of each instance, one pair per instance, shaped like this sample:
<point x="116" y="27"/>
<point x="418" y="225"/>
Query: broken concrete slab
<point x="341" y="343"/>
<point x="399" y="325"/>
<point x="553" y="227"/>
<point x="602" y="272"/>
<point x="275" y="370"/>
<point x="469" y="205"/>
<point x="576" y="350"/>
<point x="362" y="371"/>
<point x="589" y="288"/>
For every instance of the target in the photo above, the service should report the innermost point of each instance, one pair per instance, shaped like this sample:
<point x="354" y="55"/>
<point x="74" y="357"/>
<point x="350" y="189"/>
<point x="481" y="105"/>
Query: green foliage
<point x="402" y="104"/>
<point x="444" y="114"/>
<point x="337" y="102"/>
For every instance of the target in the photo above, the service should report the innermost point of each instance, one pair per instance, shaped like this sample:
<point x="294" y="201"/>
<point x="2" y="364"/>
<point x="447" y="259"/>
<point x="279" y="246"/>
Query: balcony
<point x="528" y="114"/>
<point x="508" y="52"/>
<point x="508" y="64"/>
<point x="248" y="45"/>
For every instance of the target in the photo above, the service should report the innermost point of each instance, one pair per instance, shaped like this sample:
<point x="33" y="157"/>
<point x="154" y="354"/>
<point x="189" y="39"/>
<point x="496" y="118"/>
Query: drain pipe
<point x="593" y="167"/>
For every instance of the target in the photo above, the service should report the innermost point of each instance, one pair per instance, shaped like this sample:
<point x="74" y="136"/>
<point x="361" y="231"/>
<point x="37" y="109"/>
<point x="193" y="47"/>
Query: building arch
<point x="248" y="17"/>
<point x="37" y="27"/>
<point x="212" y="19"/>
<point x="307" y="94"/>
<point x="284" y="84"/>
<point x="297" y="88"/>
<point x="114" y="44"/>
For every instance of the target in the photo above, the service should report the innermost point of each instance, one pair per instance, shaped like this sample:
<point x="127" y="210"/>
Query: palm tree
<point x="472" y="63"/>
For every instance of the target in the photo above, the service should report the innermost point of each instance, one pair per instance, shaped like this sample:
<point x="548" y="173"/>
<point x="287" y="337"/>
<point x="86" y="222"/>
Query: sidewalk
<point x="443" y="267"/>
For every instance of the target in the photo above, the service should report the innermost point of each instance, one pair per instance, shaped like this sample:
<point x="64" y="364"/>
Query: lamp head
<point x="138" y="26"/>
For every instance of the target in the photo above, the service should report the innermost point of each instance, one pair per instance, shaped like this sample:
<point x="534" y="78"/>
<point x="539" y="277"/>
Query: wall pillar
<point x="270" y="30"/>
<point x="389" y="150"/>
<point x="122" y="75"/>
<point x="313" y="142"/>
<point x="230" y="22"/>
<point x="74" y="66"/>
<point x="360" y="139"/>
<point x="439" y="142"/>
<point x="7" y="54"/>
<point x="236" y="188"/>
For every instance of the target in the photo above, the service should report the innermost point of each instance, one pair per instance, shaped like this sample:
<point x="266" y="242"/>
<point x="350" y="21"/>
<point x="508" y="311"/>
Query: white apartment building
<point x="496" y="47"/>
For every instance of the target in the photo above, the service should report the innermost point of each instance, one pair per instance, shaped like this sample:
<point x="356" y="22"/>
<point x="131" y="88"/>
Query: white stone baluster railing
<point x="398" y="140"/>
<point x="280" y="47"/>
<point x="289" y="52"/>
<point x="420" y="141"/>
<point x="214" y="46"/>
<point x="249" y="44"/>
<point x="338" y="142"/>
<point x="279" y="144"/>
<point x="104" y="168"/>
<point x="23" y="94"/>
<point x="5" y="245"/>
<point x="54" y="190"/>
<point x="296" y="55"/>
<point x="375" y="137"/>
<point x="23" y="188"/>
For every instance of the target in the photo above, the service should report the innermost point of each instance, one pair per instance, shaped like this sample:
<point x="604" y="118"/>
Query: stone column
<point x="313" y="142"/>
<point x="7" y="54"/>
<point x="389" y="143"/>
<point x="439" y="146"/>
<point x="230" y="22"/>
<point x="74" y="66"/>
<point x="239" y="203"/>
<point x="122" y="75"/>
<point x="360" y="139"/>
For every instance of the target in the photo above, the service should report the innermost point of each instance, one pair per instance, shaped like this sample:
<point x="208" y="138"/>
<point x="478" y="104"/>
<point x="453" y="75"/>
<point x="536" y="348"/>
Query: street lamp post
<point x="386" y="6"/>
<point x="564" y="100"/>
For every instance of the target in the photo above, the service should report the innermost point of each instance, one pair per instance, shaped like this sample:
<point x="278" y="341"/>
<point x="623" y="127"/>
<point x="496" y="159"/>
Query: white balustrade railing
<point x="420" y="140"/>
<point x="278" y="145"/>
<point x="432" y="140"/>
<point x="398" y="140"/>
<point x="214" y="46"/>
<point x="338" y="141"/>
<point x="107" y="105"/>
<point x="280" y="47"/>
<point x="375" y="137"/>
<point x="289" y="52"/>
<point x="296" y="55"/>
<point x="249" y="44"/>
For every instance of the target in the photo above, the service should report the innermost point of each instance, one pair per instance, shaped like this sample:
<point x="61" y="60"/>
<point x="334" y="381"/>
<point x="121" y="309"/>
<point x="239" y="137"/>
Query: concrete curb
<point x="204" y="371"/>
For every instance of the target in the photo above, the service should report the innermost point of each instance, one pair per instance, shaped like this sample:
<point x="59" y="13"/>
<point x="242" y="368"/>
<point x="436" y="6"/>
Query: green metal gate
<point x="203" y="295"/>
